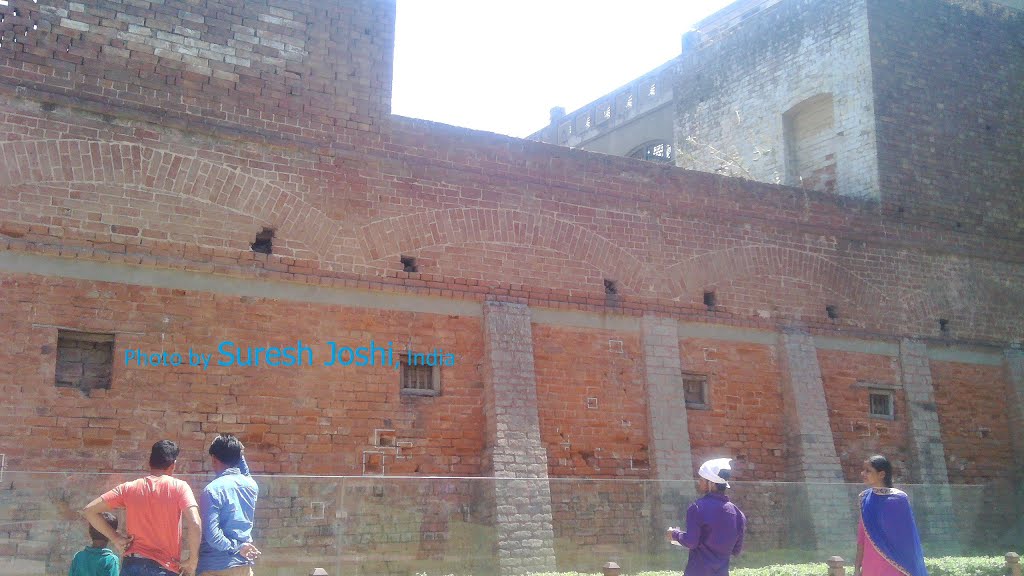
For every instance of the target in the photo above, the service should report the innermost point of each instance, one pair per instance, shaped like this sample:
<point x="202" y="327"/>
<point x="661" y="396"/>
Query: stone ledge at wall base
<point x="837" y="566"/>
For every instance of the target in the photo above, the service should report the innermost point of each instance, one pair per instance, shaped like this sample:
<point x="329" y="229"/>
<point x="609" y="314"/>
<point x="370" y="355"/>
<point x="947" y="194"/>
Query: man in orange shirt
<point x="154" y="506"/>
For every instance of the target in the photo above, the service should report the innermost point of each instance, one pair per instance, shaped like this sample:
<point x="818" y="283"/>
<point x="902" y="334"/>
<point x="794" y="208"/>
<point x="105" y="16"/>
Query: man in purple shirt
<point x="714" y="525"/>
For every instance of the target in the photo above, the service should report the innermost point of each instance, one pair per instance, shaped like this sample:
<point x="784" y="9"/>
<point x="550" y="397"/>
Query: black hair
<point x="881" y="464"/>
<point x="227" y="449"/>
<point x="724" y="475"/>
<point x="111" y="520"/>
<point x="163" y="455"/>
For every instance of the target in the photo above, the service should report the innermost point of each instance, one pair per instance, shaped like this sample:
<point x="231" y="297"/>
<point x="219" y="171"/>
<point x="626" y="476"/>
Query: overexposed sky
<point x="501" y="65"/>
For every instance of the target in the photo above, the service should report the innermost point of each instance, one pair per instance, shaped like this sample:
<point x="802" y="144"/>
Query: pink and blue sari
<point x="888" y="535"/>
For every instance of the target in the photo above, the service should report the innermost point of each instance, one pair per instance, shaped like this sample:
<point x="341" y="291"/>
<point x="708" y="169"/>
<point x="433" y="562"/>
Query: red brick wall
<point x="605" y="442"/>
<point x="570" y="231"/>
<point x="610" y="439"/>
<point x="486" y="214"/>
<point x="303" y="68"/>
<point x="974" y="421"/>
<point x="309" y="420"/>
<point x="857" y="435"/>
<point x="745" y="419"/>
<point x="143" y="211"/>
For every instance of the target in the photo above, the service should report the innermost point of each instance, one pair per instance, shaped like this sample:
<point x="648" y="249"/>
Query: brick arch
<point x="390" y="237"/>
<point x="760" y="261"/>
<point x="70" y="161"/>
<point x="916" y="307"/>
<point x="222" y="222"/>
<point x="956" y="297"/>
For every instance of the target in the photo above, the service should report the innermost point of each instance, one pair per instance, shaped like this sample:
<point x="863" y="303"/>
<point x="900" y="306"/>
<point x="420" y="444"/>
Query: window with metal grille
<point x="695" y="391"/>
<point x="418" y="377"/>
<point x="881" y="405"/>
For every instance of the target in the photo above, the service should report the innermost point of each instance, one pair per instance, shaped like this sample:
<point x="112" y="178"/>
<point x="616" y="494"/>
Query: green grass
<point x="949" y="566"/>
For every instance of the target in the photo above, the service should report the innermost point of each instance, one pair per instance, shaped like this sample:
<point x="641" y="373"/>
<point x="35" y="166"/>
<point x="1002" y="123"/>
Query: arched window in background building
<point x="657" y="150"/>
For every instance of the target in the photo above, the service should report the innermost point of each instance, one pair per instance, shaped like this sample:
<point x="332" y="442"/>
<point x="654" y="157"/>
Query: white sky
<point x="501" y="65"/>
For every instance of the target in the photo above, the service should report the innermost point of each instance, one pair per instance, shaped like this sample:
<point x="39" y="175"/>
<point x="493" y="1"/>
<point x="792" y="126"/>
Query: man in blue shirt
<point x="227" y="507"/>
<point x="714" y="525"/>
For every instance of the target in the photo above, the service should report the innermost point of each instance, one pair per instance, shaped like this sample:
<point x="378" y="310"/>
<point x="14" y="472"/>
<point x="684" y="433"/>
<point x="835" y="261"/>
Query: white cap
<point x="710" y="469"/>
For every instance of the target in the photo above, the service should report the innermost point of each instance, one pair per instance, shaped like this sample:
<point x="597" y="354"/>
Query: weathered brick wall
<point x="485" y="216"/>
<point x="809" y="132"/>
<point x="763" y="236"/>
<point x="309" y="419"/>
<point x="84" y="363"/>
<point x="745" y="416"/>
<point x="750" y="257"/>
<point x="590" y="395"/>
<point x="733" y="94"/>
<point x="949" y="130"/>
<point x="847" y="377"/>
<point x="927" y="453"/>
<point x="300" y="68"/>
<point x="362" y="526"/>
<point x="974" y="421"/>
<point x="596" y="521"/>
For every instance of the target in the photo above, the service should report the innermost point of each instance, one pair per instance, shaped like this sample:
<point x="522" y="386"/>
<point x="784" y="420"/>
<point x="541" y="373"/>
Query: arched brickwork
<point x="966" y="294"/>
<point x="389" y="237"/>
<point x="83" y="161"/>
<point x="741" y="262"/>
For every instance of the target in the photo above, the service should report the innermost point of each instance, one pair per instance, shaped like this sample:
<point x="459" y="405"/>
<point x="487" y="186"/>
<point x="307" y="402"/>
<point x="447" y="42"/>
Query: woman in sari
<point x="888" y="543"/>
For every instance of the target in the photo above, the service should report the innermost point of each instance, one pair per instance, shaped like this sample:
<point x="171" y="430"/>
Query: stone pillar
<point x="927" y="454"/>
<point x="669" y="432"/>
<point x="827" y="500"/>
<point x="1013" y="360"/>
<point x="515" y="454"/>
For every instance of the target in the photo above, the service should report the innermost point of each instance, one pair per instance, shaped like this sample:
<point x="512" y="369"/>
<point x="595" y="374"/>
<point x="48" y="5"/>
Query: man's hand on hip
<point x="188" y="567"/>
<point x="122" y="543"/>
<point x="249" y="551"/>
